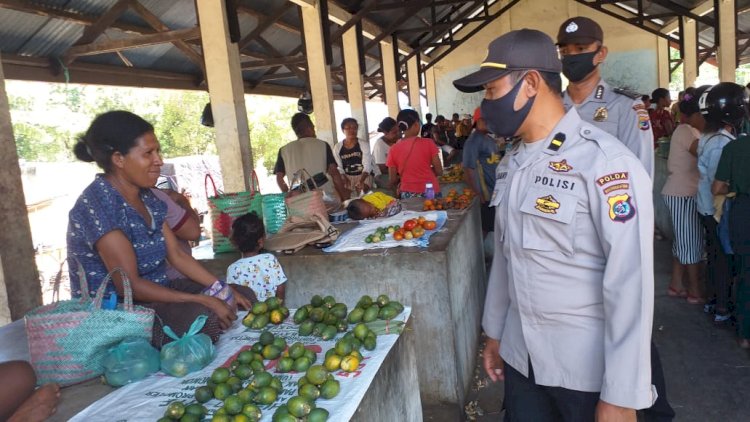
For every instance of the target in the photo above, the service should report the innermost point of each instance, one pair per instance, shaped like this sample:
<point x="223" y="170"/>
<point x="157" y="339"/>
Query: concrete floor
<point x="707" y="375"/>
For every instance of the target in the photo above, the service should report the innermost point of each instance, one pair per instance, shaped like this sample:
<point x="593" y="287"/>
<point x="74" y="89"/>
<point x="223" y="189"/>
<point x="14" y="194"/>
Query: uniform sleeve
<point x="624" y="219"/>
<point x="366" y="156"/>
<point x="497" y="301"/>
<point x="724" y="168"/>
<point x="634" y="129"/>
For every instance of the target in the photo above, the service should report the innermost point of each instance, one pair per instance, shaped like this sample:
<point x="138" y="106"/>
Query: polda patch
<point x="621" y="208"/>
<point x="612" y="177"/>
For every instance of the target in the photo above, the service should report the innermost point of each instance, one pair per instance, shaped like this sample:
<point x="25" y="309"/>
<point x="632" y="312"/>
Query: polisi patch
<point x="554" y="182"/>
<point x="560" y="166"/>
<point x="547" y="204"/>
<point x="620" y="208"/>
<point x="612" y="177"/>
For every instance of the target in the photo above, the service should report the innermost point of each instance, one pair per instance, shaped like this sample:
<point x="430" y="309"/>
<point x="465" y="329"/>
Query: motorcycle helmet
<point x="305" y="104"/>
<point x="725" y="103"/>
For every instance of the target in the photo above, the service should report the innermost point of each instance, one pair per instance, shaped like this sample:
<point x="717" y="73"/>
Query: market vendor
<point x="373" y="205"/>
<point x="117" y="222"/>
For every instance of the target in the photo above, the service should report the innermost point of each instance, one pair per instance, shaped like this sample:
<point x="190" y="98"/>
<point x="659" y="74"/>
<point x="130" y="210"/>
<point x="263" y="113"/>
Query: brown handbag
<point x="307" y="201"/>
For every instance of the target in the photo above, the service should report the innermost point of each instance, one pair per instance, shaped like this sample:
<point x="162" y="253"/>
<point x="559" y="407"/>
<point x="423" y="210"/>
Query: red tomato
<point x="418" y="232"/>
<point x="429" y="225"/>
<point x="398" y="236"/>
<point x="409" y="224"/>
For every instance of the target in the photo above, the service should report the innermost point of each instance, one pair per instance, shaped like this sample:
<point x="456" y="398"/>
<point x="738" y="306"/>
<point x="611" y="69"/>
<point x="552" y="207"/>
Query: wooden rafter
<point x="271" y="49"/>
<point x="128" y="43"/>
<point x="106" y="20"/>
<point x="413" y="7"/>
<point x="158" y="25"/>
<point x="263" y="24"/>
<point x="276" y="61"/>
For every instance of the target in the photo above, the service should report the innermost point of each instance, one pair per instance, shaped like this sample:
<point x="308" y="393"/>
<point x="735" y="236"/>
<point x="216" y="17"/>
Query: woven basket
<point x="68" y="340"/>
<point x="224" y="208"/>
<point x="274" y="212"/>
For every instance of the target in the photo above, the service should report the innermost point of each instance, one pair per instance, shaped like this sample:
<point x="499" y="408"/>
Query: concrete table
<point x="444" y="284"/>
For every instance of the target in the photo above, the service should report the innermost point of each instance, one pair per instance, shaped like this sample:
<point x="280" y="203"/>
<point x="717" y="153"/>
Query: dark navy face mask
<point x="501" y="118"/>
<point x="576" y="67"/>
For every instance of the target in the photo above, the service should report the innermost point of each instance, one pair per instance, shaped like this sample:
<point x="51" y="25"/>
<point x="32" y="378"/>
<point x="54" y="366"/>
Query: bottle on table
<point x="429" y="191"/>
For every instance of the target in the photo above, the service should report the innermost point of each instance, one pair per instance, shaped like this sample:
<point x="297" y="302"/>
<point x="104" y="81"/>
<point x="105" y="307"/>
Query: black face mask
<point x="576" y="67"/>
<point x="501" y="118"/>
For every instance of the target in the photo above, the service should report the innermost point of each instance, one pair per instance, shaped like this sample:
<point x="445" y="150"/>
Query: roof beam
<point x="339" y="16"/>
<point x="702" y="9"/>
<point x="158" y="25"/>
<point x="406" y="14"/>
<point x="277" y="61"/>
<point x="134" y="42"/>
<point x="91" y="33"/>
<point x="263" y="25"/>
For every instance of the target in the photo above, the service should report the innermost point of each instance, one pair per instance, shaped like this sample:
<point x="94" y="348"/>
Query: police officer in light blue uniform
<point x="619" y="112"/>
<point x="569" y="303"/>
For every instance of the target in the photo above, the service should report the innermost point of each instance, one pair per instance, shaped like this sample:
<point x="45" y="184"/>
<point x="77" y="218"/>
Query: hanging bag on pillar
<point x="224" y="208"/>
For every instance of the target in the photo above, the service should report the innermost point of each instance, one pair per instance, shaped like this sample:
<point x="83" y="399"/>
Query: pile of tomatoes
<point x="412" y="229"/>
<point x="453" y="201"/>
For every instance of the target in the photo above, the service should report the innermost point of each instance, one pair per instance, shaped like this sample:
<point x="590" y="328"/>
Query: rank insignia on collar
<point x="601" y="114"/>
<point x="547" y="204"/>
<point x="599" y="92"/>
<point x="620" y="208"/>
<point x="560" y="166"/>
<point x="557" y="142"/>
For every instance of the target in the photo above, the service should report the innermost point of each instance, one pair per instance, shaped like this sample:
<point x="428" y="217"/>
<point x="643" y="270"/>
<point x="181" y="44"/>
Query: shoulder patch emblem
<point x="643" y="121"/>
<point x="547" y="204"/>
<point x="620" y="208"/>
<point x="612" y="177"/>
<point x="619" y="186"/>
<point x="560" y="166"/>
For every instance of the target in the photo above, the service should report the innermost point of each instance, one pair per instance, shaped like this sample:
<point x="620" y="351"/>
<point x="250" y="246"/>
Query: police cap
<point x="579" y="30"/>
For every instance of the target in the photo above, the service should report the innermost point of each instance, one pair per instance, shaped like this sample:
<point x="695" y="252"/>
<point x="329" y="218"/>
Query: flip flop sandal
<point x="672" y="292"/>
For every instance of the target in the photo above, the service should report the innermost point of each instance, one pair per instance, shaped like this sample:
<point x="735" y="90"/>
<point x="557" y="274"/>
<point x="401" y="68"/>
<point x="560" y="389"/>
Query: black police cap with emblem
<point x="523" y="49"/>
<point x="579" y="30"/>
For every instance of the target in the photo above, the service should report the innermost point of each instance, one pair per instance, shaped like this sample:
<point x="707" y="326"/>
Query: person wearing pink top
<point x="679" y="195"/>
<point x="413" y="162"/>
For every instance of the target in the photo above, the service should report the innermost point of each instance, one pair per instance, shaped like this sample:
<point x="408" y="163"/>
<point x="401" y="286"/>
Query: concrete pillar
<point x="321" y="87"/>
<point x="20" y="290"/>
<point x="727" y="52"/>
<point x="412" y="67"/>
<point x="354" y="81"/>
<point x="662" y="61"/>
<point x="226" y="90"/>
<point x="690" y="59"/>
<point x="390" y="83"/>
<point x="572" y="9"/>
<point x="431" y="89"/>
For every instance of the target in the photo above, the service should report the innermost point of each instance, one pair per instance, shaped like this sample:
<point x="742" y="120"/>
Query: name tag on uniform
<point x="497" y="193"/>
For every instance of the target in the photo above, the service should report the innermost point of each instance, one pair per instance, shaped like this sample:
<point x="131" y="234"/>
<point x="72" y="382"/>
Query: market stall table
<point x="444" y="283"/>
<point x="387" y="392"/>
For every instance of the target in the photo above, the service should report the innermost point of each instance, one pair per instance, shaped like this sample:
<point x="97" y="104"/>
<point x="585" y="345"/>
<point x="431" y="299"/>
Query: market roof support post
<point x="19" y="280"/>
<point x="227" y="94"/>
<point x="727" y="51"/>
<point x="390" y="81"/>
<point x="413" y="74"/>
<point x="321" y="87"/>
<point x="690" y="58"/>
<point x="431" y="89"/>
<point x="354" y="81"/>
<point x="663" y="64"/>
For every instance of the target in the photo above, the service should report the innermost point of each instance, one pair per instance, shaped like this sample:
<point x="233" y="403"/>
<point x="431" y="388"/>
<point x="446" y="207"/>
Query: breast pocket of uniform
<point x="549" y="220"/>
<point x="500" y="202"/>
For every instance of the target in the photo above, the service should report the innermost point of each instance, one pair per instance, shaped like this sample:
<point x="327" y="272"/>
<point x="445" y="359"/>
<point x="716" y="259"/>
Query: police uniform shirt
<point x="571" y="285"/>
<point x="622" y="116"/>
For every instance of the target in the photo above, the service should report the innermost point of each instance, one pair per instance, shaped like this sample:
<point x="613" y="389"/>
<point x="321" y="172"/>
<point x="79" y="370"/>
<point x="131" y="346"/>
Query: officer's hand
<point x="493" y="364"/>
<point x="606" y="412"/>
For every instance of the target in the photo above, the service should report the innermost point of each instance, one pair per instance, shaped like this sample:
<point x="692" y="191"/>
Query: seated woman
<point x="117" y="222"/>
<point x="414" y="161"/>
<point x="353" y="158"/>
<point x="20" y="400"/>
<point x="373" y="205"/>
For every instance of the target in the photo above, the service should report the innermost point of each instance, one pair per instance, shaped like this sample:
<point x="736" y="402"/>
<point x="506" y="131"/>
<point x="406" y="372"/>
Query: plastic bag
<point x="131" y="360"/>
<point x="221" y="290"/>
<point x="187" y="354"/>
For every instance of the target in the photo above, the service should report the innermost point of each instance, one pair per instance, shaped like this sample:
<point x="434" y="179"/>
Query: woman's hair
<point x="658" y="94"/>
<point x="110" y="132"/>
<point x="247" y="230"/>
<point x="386" y="125"/>
<point x="406" y="118"/>
<point x="348" y="120"/>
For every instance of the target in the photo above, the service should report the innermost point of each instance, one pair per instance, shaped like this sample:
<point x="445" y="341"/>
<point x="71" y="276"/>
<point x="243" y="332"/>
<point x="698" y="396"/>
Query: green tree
<point x="39" y="142"/>
<point x="269" y="131"/>
<point x="178" y="124"/>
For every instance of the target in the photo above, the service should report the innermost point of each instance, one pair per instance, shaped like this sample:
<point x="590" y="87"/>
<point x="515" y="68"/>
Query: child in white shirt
<point x="261" y="272"/>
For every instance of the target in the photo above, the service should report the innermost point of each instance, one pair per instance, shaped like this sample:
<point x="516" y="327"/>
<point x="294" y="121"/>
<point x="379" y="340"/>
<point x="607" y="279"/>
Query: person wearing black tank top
<point x="353" y="158"/>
